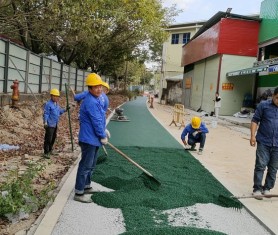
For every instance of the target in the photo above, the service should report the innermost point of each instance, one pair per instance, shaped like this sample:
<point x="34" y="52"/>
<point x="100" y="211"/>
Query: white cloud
<point x="198" y="10"/>
<point x="181" y="4"/>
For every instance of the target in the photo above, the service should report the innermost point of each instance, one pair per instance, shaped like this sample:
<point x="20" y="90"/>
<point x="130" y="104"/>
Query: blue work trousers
<point x="86" y="167"/>
<point x="266" y="157"/>
<point x="200" y="138"/>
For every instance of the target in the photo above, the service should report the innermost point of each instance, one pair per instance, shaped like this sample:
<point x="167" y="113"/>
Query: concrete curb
<point x="51" y="213"/>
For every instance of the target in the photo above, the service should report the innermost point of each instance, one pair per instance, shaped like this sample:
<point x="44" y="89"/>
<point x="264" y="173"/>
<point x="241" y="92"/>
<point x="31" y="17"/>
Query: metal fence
<point x="35" y="73"/>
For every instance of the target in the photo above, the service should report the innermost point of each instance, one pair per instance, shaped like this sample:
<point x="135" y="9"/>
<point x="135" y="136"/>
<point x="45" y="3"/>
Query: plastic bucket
<point x="214" y="123"/>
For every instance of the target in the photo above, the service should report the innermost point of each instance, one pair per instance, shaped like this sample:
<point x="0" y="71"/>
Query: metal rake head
<point x="230" y="202"/>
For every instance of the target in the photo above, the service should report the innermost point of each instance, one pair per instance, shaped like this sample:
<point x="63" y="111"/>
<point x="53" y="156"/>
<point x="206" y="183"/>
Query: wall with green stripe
<point x="269" y="24"/>
<point x="268" y="81"/>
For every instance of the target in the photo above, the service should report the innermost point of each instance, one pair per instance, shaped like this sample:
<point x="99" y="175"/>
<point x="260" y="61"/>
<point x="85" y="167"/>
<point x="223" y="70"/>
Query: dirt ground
<point x="23" y="127"/>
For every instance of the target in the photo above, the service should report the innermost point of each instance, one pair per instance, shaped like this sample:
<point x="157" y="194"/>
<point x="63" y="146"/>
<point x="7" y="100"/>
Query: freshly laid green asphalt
<point x="142" y="130"/>
<point x="184" y="181"/>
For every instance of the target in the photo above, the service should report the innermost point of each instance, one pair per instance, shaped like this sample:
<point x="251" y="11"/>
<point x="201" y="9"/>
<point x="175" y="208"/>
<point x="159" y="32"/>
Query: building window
<point x="175" y="38"/>
<point x="185" y="38"/>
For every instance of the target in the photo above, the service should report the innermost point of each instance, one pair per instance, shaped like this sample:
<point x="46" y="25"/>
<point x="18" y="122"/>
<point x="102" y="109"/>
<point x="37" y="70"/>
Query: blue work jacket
<point x="103" y="98"/>
<point x="80" y="96"/>
<point x="105" y="101"/>
<point x="52" y="113"/>
<point x="189" y="130"/>
<point x="266" y="115"/>
<point x="92" y="120"/>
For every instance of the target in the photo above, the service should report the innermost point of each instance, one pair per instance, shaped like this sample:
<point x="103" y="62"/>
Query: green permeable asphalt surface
<point x="183" y="180"/>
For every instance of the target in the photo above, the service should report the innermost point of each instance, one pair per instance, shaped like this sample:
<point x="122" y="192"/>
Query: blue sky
<point x="199" y="10"/>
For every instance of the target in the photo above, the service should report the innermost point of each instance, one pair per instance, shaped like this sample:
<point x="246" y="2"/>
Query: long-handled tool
<point x="72" y="90"/>
<point x="153" y="184"/>
<point x="71" y="139"/>
<point x="255" y="196"/>
<point x="105" y="151"/>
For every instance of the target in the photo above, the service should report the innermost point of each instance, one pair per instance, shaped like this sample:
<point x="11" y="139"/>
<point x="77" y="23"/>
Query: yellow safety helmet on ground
<point x="55" y="92"/>
<point x="105" y="84"/>
<point x="196" y="122"/>
<point x="93" y="79"/>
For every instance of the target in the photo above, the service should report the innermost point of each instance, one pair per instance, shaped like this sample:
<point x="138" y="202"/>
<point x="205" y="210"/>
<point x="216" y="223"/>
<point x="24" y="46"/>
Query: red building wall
<point x="205" y="45"/>
<point x="228" y="36"/>
<point x="238" y="37"/>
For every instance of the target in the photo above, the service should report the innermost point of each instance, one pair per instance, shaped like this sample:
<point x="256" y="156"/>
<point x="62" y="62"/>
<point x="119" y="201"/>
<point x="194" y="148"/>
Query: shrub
<point x="18" y="194"/>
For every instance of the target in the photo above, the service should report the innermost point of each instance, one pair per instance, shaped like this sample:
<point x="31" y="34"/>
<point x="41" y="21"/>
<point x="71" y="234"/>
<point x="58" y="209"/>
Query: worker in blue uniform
<point x="92" y="135"/>
<point x="51" y="116"/>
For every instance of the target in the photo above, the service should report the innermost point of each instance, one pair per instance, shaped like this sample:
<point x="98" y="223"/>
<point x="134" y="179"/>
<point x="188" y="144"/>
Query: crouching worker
<point x="92" y="135"/>
<point x="51" y="116"/>
<point x="196" y="132"/>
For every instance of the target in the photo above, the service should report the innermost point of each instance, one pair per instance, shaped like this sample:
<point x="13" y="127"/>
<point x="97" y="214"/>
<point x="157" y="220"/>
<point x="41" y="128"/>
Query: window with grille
<point x="185" y="38"/>
<point x="175" y="38"/>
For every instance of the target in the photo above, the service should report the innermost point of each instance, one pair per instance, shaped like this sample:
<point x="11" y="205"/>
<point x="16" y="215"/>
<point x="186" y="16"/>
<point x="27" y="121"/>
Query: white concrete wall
<point x="172" y="55"/>
<point x="173" y="52"/>
<point x="232" y="100"/>
<point x="205" y="78"/>
<point x="186" y="92"/>
<point x="197" y="85"/>
<point x="175" y="94"/>
<point x="210" y="83"/>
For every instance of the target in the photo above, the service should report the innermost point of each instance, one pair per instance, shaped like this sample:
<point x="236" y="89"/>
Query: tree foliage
<point x="101" y="35"/>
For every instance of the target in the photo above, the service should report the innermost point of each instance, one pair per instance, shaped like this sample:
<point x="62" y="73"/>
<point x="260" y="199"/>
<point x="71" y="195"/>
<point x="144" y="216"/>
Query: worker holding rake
<point x="104" y="98"/>
<point x="266" y="118"/>
<point x="51" y="115"/>
<point x="196" y="132"/>
<point x="92" y="135"/>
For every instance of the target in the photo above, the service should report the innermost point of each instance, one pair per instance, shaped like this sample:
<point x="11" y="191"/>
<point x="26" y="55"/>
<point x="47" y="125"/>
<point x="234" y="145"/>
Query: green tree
<point x="129" y="72"/>
<point x="100" y="35"/>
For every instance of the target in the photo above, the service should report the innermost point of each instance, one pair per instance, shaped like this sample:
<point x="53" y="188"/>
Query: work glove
<point x="195" y="133"/>
<point x="104" y="141"/>
<point x="108" y="135"/>
<point x="45" y="125"/>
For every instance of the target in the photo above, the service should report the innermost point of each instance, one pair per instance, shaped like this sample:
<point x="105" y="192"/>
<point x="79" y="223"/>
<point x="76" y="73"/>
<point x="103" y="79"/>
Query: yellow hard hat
<point x="55" y="92"/>
<point x="93" y="79"/>
<point x="196" y="122"/>
<point x="106" y="85"/>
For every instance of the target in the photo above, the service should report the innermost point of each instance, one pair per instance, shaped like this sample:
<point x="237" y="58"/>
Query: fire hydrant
<point x="15" y="94"/>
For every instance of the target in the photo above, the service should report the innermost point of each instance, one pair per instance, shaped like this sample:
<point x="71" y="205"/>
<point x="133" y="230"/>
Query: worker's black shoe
<point x="46" y="155"/>
<point x="193" y="146"/>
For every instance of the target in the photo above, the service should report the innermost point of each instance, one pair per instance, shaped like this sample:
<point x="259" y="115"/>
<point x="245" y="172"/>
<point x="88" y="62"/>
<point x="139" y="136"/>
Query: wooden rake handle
<point x="130" y="160"/>
<point x="255" y="196"/>
<point x="104" y="149"/>
<point x="72" y="90"/>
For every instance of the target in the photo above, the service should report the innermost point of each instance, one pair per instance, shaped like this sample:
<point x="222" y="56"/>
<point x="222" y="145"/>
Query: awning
<point x="247" y="71"/>
<point x="176" y="78"/>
